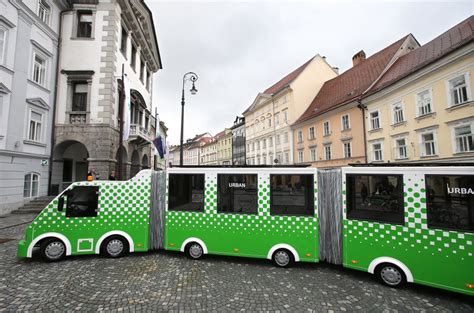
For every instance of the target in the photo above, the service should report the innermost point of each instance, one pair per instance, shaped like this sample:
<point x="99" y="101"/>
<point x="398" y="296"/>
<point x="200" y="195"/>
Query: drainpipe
<point x="55" y="96"/>
<point x="363" y="108"/>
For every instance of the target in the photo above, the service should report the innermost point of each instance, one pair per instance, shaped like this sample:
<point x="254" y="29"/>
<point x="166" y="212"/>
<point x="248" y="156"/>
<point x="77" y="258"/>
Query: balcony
<point x="78" y="118"/>
<point x="140" y="135"/>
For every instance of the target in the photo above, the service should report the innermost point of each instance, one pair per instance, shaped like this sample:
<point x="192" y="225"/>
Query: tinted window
<point x="377" y="198"/>
<point x="292" y="195"/>
<point x="237" y="193"/>
<point x="186" y="192"/>
<point x="82" y="201"/>
<point x="450" y="201"/>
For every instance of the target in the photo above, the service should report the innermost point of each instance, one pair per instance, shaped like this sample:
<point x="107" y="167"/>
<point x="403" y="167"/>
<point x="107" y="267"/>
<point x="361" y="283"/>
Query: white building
<point x="113" y="37"/>
<point x="28" y="58"/>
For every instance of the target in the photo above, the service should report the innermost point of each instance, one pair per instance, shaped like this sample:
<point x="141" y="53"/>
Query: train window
<point x="292" y="195"/>
<point x="237" y="193"/>
<point x="375" y="197"/>
<point x="186" y="192"/>
<point x="82" y="201"/>
<point x="450" y="201"/>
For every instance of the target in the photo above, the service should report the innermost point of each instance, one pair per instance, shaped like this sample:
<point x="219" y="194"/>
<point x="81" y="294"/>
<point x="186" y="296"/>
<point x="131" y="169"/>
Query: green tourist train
<point x="400" y="223"/>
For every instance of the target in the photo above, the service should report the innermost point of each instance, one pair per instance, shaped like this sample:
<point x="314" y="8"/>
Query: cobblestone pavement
<point x="164" y="281"/>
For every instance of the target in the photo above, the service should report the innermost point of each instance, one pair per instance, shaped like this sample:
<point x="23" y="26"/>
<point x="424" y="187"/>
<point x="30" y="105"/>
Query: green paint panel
<point x="436" y="258"/>
<point x="242" y="234"/>
<point x="123" y="206"/>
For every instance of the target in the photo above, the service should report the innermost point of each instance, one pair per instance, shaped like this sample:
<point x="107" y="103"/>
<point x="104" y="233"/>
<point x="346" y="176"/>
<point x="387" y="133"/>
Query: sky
<point x="240" y="48"/>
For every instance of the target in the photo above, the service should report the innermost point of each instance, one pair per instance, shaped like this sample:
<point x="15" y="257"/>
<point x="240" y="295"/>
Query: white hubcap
<point x="54" y="250"/>
<point x="282" y="258"/>
<point x="195" y="251"/>
<point x="115" y="247"/>
<point x="391" y="275"/>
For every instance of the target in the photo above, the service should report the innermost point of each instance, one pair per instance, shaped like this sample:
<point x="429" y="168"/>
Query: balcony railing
<point x="140" y="133"/>
<point x="77" y="118"/>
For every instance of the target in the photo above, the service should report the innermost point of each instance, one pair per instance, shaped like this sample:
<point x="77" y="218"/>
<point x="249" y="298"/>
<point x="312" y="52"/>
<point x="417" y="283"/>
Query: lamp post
<point x="192" y="77"/>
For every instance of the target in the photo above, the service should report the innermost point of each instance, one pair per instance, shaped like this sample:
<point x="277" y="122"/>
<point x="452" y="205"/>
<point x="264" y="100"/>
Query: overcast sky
<point x="239" y="48"/>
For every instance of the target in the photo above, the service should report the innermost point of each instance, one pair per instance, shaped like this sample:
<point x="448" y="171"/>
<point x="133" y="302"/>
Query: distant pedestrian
<point x="112" y="175"/>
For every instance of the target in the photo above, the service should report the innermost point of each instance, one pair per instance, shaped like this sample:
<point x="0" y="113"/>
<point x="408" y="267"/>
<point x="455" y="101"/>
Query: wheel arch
<point x="192" y="239"/>
<point x="131" y="246"/>
<point x="283" y="246"/>
<point x="385" y="259"/>
<point x="59" y="236"/>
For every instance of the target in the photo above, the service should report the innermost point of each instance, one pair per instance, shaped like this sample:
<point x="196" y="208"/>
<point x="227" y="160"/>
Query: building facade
<point x="268" y="120"/>
<point x="117" y="38"/>
<point x="224" y="147"/>
<point x="28" y="57"/>
<point x="209" y="153"/>
<point x="238" y="141"/>
<point x="330" y="133"/>
<point x="422" y="109"/>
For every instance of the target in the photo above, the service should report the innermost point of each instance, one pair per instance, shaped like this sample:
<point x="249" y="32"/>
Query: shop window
<point x="186" y="192"/>
<point x="292" y="195"/>
<point x="377" y="198"/>
<point x="450" y="202"/>
<point x="82" y="201"/>
<point x="237" y="193"/>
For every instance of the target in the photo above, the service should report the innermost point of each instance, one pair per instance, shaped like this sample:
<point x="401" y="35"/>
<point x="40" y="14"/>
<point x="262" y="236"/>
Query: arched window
<point x="31" y="185"/>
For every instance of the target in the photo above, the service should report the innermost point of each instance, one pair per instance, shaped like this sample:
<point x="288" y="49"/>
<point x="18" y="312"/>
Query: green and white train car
<point x="413" y="224"/>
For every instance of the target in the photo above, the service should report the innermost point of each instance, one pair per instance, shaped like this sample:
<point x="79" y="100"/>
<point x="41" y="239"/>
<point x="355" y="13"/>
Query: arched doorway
<point x="123" y="171"/>
<point x="69" y="164"/>
<point x="145" y="162"/>
<point x="135" y="168"/>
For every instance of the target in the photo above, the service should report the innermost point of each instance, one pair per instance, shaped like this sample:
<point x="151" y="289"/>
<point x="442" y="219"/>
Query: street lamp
<point x="192" y="77"/>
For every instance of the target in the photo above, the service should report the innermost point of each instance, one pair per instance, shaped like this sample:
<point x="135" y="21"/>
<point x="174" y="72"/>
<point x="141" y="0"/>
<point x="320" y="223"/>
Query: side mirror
<point x="60" y="203"/>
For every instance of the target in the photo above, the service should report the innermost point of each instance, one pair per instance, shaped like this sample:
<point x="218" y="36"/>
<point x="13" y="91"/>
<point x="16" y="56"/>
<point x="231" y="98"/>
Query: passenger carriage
<point x="404" y="224"/>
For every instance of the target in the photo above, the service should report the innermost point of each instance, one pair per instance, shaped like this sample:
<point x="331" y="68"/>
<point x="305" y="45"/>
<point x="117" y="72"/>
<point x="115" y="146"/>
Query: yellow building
<point x="268" y="119"/>
<point x="224" y="147"/>
<point x="330" y="133"/>
<point x="422" y="108"/>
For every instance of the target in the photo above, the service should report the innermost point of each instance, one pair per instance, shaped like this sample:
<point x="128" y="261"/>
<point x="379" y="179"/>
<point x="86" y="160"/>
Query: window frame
<point x="300" y="155"/>
<point x="423" y="144"/>
<point x="219" y="196"/>
<point x="43" y="4"/>
<point x="350" y="199"/>
<point x="398" y="156"/>
<point x="371" y="120"/>
<point x="202" y="208"/>
<point x="3" y="47"/>
<point x="300" y="135"/>
<point x="43" y="72"/>
<point x="313" y="154"/>
<point x="310" y="201"/>
<point x="326" y="128"/>
<point x="327" y="151"/>
<point x="374" y="159"/>
<point x="346" y="144"/>
<point x="428" y="204"/>
<point x="469" y="123"/>
<point x="420" y="105"/>
<point x="41" y="123"/>
<point x="343" y="124"/>
<point x="449" y="89"/>
<point x="311" y="133"/>
<point x="396" y="114"/>
<point x="30" y="195"/>
<point x="79" y="33"/>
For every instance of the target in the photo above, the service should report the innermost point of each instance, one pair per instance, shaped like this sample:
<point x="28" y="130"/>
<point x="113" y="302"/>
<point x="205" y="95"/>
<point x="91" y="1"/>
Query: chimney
<point x="336" y="69"/>
<point x="359" y="57"/>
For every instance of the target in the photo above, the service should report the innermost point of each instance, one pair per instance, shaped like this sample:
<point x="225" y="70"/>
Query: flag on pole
<point x="126" y="108"/>
<point x="159" y="142"/>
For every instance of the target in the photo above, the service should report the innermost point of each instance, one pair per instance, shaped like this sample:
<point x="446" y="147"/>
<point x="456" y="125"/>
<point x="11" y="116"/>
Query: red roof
<point x="282" y="83"/>
<point x="445" y="43"/>
<point x="220" y="134"/>
<point x="350" y="84"/>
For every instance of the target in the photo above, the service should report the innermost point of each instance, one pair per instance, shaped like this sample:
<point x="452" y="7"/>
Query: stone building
<point x="238" y="141"/>
<point x="268" y="120"/>
<point x="28" y="57"/>
<point x="114" y="37"/>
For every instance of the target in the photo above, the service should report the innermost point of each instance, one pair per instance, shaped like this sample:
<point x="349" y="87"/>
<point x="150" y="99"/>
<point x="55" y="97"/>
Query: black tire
<point x="283" y="258"/>
<point x="390" y="275"/>
<point x="52" y="250"/>
<point x="115" y="247"/>
<point x="194" y="251"/>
